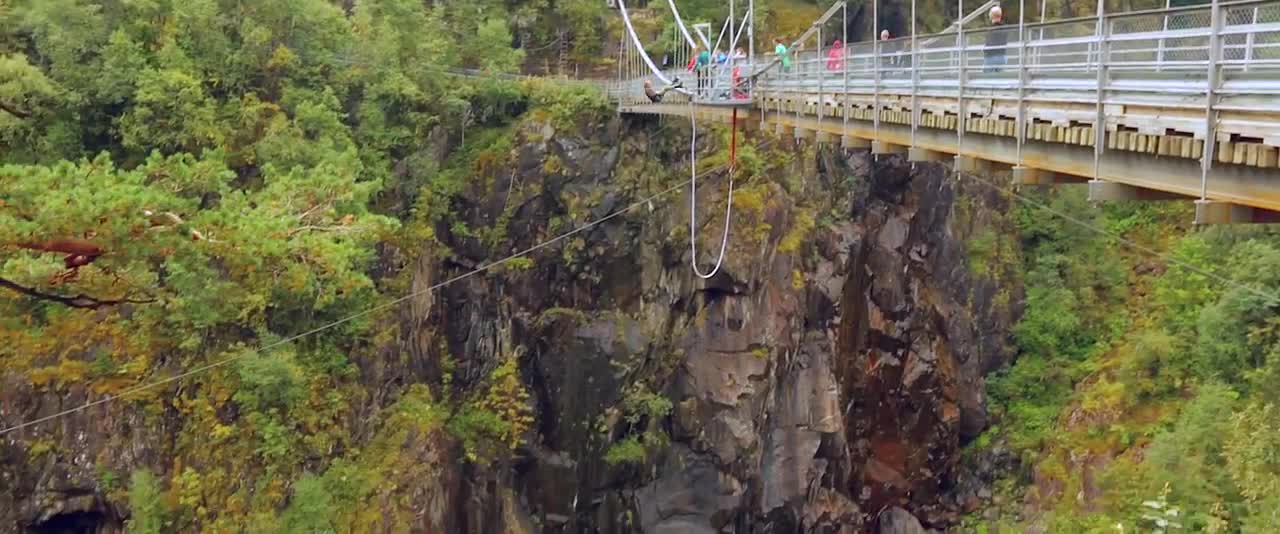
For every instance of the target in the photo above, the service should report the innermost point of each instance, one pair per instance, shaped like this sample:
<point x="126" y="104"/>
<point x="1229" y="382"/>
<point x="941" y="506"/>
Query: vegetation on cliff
<point x="233" y="167"/>
<point x="1142" y="377"/>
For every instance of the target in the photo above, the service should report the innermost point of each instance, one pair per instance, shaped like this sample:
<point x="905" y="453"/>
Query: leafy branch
<point x="81" y="301"/>
<point x="14" y="111"/>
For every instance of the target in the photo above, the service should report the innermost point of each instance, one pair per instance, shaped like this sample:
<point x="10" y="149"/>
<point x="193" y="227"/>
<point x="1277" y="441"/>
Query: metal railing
<point x="1158" y="57"/>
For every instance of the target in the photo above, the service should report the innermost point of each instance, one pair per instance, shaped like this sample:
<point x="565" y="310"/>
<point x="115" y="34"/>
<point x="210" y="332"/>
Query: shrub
<point x="146" y="508"/>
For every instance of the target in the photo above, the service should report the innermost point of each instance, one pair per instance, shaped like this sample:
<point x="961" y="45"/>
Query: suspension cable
<point x="639" y="49"/>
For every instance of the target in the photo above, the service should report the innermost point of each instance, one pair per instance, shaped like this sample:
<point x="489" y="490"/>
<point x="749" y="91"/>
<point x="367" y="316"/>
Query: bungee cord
<point x="639" y="48"/>
<point x="693" y="197"/>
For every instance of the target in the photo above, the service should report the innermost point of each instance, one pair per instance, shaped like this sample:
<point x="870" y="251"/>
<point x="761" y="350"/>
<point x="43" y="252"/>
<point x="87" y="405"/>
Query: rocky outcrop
<point x="812" y="386"/>
<point x="823" y="381"/>
<point x="921" y="332"/>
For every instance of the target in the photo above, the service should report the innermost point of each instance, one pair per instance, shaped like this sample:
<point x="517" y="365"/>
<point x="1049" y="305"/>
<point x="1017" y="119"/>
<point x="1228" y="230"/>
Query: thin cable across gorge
<point x="206" y="367"/>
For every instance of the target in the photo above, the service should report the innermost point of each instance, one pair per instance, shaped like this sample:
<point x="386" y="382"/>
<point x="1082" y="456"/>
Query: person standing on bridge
<point x="889" y="56"/>
<point x="701" y="59"/>
<point x="835" y="56"/>
<point x="997" y="41"/>
<point x="781" y="50"/>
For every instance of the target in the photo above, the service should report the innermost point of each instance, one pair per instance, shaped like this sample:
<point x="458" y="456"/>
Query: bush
<point x="146" y="509"/>
<point x="269" y="381"/>
<point x="310" y="509"/>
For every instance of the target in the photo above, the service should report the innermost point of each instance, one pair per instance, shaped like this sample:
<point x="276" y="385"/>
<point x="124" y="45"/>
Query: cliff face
<point x="823" y="376"/>
<point x="823" y="381"/>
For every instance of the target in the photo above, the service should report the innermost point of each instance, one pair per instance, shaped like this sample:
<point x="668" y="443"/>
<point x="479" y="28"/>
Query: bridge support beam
<point x="849" y="141"/>
<point x="1033" y="176"/>
<point x="884" y="147"/>
<point x="1218" y="212"/>
<point x="1104" y="191"/>
<point x="822" y="137"/>
<point x="924" y="154"/>
<point x="974" y="165"/>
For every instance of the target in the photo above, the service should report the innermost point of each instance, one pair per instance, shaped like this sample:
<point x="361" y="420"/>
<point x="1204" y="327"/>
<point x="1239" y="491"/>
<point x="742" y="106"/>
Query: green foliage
<point x="1169" y="370"/>
<point x="491" y="426"/>
<point x="1238" y="330"/>
<point x="568" y="104"/>
<point x="1188" y="458"/>
<point x="981" y="252"/>
<point x="171" y="113"/>
<point x="1252" y="451"/>
<point x="146" y="507"/>
<point x="226" y="156"/>
<point x="629" y="450"/>
<point x="311" y="508"/>
<point x="269" y="381"/>
<point x="1160" y="516"/>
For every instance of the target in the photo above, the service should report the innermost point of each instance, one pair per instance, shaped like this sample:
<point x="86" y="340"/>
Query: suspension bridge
<point x="1166" y="104"/>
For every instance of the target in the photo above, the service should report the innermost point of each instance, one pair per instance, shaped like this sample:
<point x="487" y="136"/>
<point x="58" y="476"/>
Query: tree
<point x="146" y="509"/>
<point x="310" y="510"/>
<point x="1252" y="451"/>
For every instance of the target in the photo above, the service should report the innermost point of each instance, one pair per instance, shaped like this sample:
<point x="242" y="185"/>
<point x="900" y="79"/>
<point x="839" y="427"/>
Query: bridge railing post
<point x="960" y="108"/>
<point x="1211" y="83"/>
<point x="1022" y="76"/>
<point x="822" y="74"/>
<point x="1163" y="30"/>
<point x="1248" y="41"/>
<point x="844" y="71"/>
<point x="875" y="66"/>
<point x="1101" y="33"/>
<point x="915" y="77"/>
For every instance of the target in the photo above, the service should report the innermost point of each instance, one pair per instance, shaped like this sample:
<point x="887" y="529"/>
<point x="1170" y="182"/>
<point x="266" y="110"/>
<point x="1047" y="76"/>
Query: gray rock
<point x="898" y="521"/>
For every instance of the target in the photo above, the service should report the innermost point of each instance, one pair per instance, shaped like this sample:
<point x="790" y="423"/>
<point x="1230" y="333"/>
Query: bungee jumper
<point x="655" y="96"/>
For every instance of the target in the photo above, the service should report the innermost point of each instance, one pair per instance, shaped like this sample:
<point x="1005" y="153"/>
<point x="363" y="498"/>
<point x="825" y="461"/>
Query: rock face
<point x="823" y="381"/>
<point x="813" y="386"/>
<point x="921" y="331"/>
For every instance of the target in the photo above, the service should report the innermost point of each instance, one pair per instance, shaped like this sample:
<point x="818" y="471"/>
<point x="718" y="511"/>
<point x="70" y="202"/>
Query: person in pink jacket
<point x="835" y="56"/>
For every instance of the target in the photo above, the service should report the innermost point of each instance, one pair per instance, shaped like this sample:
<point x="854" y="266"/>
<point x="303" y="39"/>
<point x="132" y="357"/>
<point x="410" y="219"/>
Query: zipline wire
<point x="200" y="369"/>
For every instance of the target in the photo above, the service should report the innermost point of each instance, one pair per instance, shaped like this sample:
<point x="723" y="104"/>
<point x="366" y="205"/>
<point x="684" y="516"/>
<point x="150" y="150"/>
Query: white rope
<point x="639" y="48"/>
<point x="693" y="204"/>
<point x="680" y="24"/>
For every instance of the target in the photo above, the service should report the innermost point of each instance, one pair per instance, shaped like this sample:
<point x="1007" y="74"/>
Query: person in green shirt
<point x="698" y="65"/>
<point x="781" y="50"/>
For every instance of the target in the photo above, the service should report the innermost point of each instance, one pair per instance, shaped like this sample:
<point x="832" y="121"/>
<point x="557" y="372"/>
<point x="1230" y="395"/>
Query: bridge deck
<point x="1164" y="86"/>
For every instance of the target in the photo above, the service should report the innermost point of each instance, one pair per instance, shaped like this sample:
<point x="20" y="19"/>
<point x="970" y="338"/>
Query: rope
<point x="197" y="370"/>
<point x="635" y="39"/>
<point x="680" y="24"/>
<point x="693" y="197"/>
